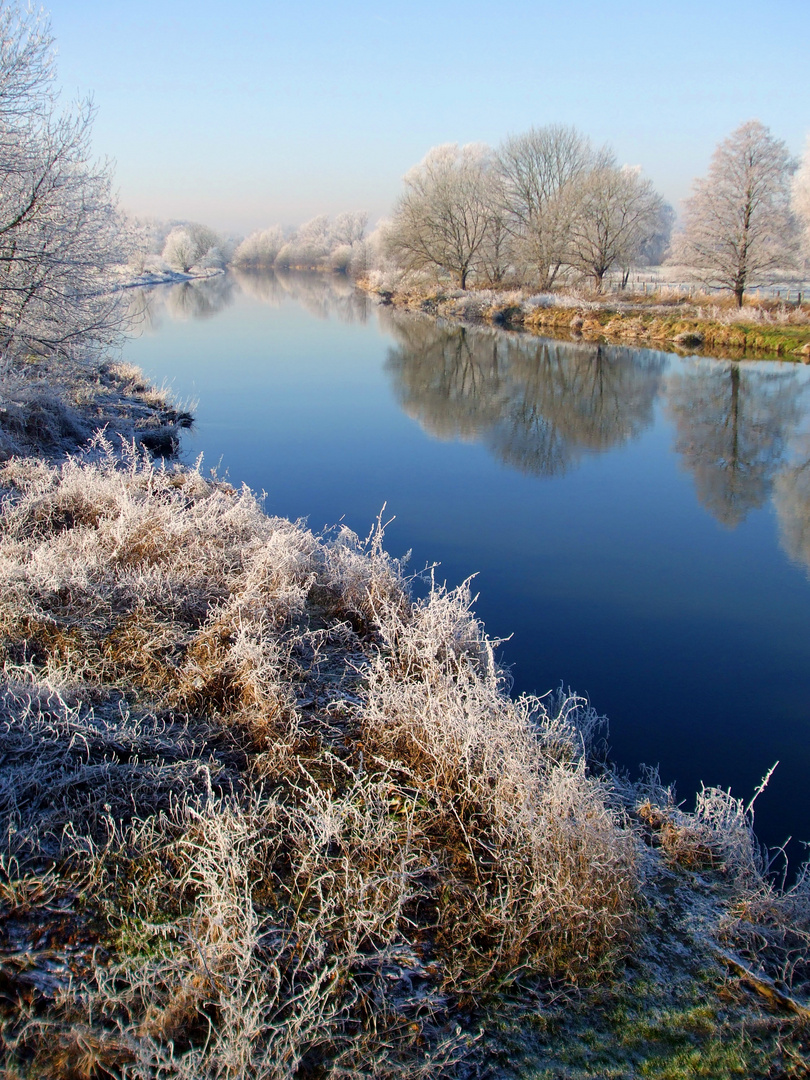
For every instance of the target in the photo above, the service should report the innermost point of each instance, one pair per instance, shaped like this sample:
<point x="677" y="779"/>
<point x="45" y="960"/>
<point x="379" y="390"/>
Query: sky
<point x="247" y="114"/>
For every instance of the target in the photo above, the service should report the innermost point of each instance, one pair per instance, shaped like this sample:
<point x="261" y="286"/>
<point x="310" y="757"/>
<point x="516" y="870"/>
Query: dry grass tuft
<point x="536" y="867"/>
<point x="718" y="834"/>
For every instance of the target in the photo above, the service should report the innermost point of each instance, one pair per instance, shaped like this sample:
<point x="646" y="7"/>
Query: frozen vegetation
<point x="265" y="813"/>
<point x="320" y="244"/>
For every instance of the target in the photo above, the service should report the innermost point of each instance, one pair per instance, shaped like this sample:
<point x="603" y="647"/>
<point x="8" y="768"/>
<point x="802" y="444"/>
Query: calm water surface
<point x="640" y="523"/>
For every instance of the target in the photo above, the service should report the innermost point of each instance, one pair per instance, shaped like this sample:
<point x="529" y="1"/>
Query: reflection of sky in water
<point x="628" y="512"/>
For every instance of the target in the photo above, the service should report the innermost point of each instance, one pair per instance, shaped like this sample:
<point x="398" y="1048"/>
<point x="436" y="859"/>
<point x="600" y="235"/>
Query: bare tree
<point x="737" y="223"/>
<point x="801" y="200"/>
<point x="613" y="213"/>
<point x="535" y="169"/>
<point x="59" y="229"/>
<point x="446" y="215"/>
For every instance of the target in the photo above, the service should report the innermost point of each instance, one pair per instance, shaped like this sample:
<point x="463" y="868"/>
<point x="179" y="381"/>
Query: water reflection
<point x="198" y="299"/>
<point x="538" y="405"/>
<point x="322" y="295"/>
<point x="791" y="499"/>
<point x="733" y="423"/>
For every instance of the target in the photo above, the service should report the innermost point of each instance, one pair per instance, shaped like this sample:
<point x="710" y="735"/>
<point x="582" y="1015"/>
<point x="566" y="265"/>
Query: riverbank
<point x="264" y="811"/>
<point x="167" y="277"/>
<point x="50" y="407"/>
<point x="760" y="330"/>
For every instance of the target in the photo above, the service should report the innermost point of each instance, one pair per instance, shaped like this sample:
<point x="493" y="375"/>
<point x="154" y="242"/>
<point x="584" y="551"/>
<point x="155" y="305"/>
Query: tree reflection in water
<point x="196" y="299"/>
<point x="200" y="299"/>
<point x="733" y="422"/>
<point x="538" y="405"/>
<point x="791" y="499"/>
<point x="322" y="295"/>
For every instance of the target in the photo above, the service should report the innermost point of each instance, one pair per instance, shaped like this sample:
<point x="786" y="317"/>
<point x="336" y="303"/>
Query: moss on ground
<point x="674" y="1011"/>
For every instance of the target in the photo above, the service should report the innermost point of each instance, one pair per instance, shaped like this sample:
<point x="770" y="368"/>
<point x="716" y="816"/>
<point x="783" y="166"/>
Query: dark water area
<point x="637" y="521"/>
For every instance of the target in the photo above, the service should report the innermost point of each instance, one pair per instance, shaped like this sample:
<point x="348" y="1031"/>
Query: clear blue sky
<point x="244" y="114"/>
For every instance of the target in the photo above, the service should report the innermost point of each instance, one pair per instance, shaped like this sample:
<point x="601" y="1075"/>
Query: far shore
<point x="762" y="330"/>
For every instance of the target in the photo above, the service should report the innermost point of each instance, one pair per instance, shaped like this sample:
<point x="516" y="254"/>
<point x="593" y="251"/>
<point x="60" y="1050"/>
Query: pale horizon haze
<point x="245" y="115"/>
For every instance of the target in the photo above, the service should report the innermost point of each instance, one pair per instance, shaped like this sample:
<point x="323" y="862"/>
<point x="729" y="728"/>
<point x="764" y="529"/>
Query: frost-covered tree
<point x="738" y="224"/>
<point x="801" y="200"/>
<point x="319" y="244"/>
<point x="311" y="244"/>
<point x="144" y="240"/>
<point x="536" y="168"/>
<point x="190" y="245"/>
<point x="497" y="255"/>
<point x="655" y="248"/>
<point x="348" y="229"/>
<point x="446" y="215"/>
<point x="612" y="214"/>
<point x="260" y="249"/>
<point x="59" y="229"/>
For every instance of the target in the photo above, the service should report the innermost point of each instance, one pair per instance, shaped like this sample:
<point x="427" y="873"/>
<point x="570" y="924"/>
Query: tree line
<point x="544" y="203"/>
<point x="548" y="208"/>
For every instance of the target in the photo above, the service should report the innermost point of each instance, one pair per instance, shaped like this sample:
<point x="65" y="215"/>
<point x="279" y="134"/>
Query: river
<point x="638" y="522"/>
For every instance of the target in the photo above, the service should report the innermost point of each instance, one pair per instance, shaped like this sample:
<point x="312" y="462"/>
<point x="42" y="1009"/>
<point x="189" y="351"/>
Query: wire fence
<point x="795" y="292"/>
